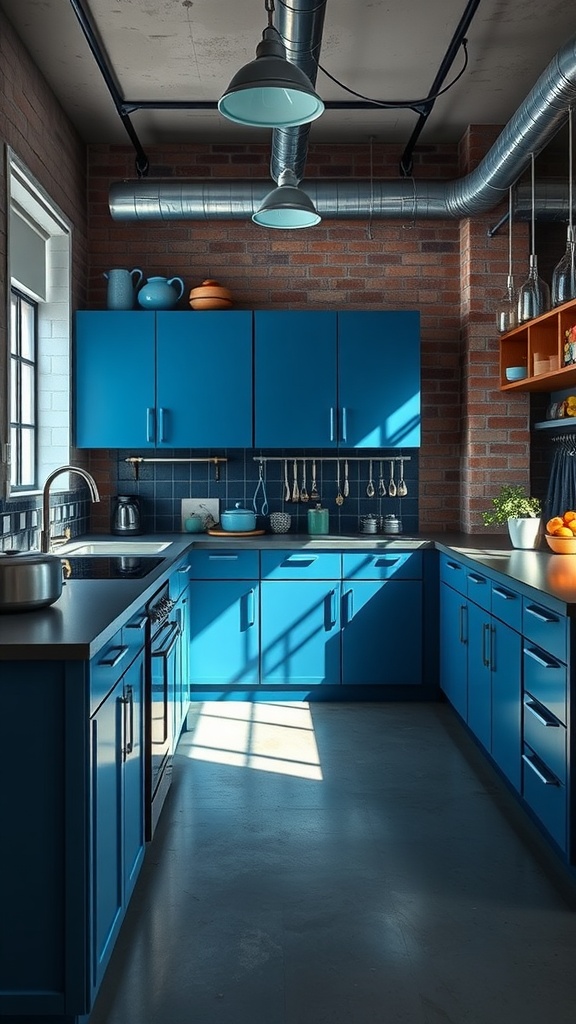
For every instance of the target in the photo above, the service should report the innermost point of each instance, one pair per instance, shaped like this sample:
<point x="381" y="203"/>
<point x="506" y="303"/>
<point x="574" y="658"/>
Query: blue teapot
<point x="158" y="292"/>
<point x="121" y="287"/>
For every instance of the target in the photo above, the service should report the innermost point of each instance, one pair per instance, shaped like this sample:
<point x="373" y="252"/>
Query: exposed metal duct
<point x="530" y="129"/>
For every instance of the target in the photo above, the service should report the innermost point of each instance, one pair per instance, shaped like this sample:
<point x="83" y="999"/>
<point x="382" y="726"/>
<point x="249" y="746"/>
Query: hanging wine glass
<point x="534" y="294"/>
<point x="564" y="275"/>
<point x="506" y="310"/>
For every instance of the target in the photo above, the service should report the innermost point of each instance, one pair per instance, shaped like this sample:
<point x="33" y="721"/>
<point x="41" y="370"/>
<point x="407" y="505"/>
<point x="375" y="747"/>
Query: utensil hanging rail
<point x="215" y="460"/>
<point x="329" y="458"/>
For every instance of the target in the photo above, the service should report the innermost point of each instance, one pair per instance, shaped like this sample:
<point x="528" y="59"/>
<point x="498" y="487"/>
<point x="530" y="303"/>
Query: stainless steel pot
<point x="28" y="581"/>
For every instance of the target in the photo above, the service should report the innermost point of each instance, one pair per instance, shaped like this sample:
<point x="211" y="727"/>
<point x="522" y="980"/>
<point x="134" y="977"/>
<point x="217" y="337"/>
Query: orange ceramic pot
<point x="210" y="295"/>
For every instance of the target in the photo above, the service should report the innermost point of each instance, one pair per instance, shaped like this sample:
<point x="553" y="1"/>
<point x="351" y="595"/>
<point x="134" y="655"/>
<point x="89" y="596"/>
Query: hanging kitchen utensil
<point x="381" y="484"/>
<point x="287" y="493"/>
<point x="346" y="490"/>
<point x="260" y="487"/>
<point x="295" y="491"/>
<point x="507" y="309"/>
<point x="402" y="488"/>
<point x="314" y="495"/>
<point x="370" y="488"/>
<point x="534" y="294"/>
<point x="564" y="273"/>
<point x="303" y="492"/>
<point x="339" y="495"/>
<point x="392" y="485"/>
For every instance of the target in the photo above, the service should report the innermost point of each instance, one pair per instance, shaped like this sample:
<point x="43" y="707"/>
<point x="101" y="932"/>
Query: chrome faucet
<point x="94" y="495"/>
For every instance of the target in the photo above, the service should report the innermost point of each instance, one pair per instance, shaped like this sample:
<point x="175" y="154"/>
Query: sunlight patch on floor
<point x="272" y="737"/>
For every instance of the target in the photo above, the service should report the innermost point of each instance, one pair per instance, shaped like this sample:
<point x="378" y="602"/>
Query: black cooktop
<point x="102" y="567"/>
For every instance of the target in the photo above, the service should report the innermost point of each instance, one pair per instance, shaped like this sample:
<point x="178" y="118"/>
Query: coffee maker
<point x="126" y="517"/>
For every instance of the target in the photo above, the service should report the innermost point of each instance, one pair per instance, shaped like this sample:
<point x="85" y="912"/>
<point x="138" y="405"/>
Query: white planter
<point x="525" y="533"/>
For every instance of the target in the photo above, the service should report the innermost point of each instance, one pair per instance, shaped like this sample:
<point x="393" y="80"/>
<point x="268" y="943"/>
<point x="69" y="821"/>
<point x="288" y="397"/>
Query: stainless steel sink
<point x="115" y="547"/>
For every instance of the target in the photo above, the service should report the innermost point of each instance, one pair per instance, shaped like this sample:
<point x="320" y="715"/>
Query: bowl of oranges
<point x="561" y="533"/>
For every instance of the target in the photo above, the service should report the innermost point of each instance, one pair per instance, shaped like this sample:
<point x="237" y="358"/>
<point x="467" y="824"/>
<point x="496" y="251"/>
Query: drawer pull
<point x="463" y="638"/>
<point x="506" y="594"/>
<point x="546" y="777"/>
<point x="476" y="579"/>
<point x="385" y="560"/>
<point x="223" y="558"/>
<point x="541" y="614"/>
<point x="543" y="716"/>
<point x="300" y="561"/>
<point x="454" y="565"/>
<point x="486" y="644"/>
<point x="250" y="614"/>
<point x="114" y="659"/>
<point x="541" y="658"/>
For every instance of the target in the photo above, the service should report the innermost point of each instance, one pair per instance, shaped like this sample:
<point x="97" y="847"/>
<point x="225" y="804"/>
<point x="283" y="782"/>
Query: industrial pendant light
<point x="564" y="275"/>
<point x="507" y="311"/>
<point x="270" y="91"/>
<point x="534" y="294"/>
<point x="287" y="206"/>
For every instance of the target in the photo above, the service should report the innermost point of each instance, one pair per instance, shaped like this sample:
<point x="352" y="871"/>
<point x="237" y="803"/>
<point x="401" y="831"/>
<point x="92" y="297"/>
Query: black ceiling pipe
<point x="455" y="44"/>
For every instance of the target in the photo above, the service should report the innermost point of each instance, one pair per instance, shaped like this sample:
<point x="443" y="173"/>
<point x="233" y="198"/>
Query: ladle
<point x="402" y="488"/>
<point x="303" y="492"/>
<point x="339" y="495"/>
<point x="346" y="484"/>
<point x="370" y="488"/>
<point x="392" y="485"/>
<point x="295" y="491"/>
<point x="314" y="495"/>
<point x="381" y="484"/>
<point x="287" y="494"/>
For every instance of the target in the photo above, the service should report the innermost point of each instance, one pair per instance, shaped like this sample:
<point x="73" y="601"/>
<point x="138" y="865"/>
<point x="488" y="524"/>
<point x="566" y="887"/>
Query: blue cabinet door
<point x="379" y="379"/>
<point x="133" y="773"/>
<point x="479" y="674"/>
<point x="204" y="379"/>
<point x="381" y="633"/>
<point x="454" y="648"/>
<point x="507" y="701"/>
<point x="115" y="379"/>
<point x="300" y="629"/>
<point x="295" y="379"/>
<point x="224" y="633"/>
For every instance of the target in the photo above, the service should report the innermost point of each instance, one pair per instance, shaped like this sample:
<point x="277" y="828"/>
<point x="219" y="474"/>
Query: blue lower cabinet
<point x="507" y="701"/>
<point x="454" y="648"/>
<point x="545" y="794"/>
<point x="381" y="633"/>
<point x="300" y="632"/>
<point x="225" y="633"/>
<point x="479" y="674"/>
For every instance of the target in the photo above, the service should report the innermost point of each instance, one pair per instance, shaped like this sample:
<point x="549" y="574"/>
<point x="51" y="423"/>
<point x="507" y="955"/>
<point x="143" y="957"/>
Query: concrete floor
<point x="347" y="864"/>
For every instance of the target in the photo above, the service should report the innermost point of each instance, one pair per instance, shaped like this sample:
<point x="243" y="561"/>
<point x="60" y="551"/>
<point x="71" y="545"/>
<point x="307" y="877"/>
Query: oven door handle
<point x="166" y="650"/>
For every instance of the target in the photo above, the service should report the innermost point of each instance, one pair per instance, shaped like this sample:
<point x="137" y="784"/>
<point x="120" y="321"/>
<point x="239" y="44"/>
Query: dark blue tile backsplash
<point x="161" y="485"/>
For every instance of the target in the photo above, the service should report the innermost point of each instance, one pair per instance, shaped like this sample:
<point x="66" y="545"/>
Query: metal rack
<point x="136" y="460"/>
<point x="332" y="458"/>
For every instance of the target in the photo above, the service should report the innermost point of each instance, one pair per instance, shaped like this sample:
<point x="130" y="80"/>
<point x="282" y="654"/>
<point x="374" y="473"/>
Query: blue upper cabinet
<point x="328" y="380"/>
<point x="295" y="379"/>
<point x="379" y="379"/>
<point x="163" y="380"/>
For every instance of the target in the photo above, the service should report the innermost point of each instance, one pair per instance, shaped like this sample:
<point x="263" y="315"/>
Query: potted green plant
<point x="520" y="512"/>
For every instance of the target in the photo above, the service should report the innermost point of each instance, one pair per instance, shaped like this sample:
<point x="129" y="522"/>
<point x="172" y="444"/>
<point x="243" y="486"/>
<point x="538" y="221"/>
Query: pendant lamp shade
<point x="287" y="206"/>
<point x="270" y="92"/>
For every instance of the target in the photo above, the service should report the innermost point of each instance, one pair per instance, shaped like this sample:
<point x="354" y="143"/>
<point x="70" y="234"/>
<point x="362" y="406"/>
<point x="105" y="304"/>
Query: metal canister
<point x="369" y="524"/>
<point x="391" y="524"/>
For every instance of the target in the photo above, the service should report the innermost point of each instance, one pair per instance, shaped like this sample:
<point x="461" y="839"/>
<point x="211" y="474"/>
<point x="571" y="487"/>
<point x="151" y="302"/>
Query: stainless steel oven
<point x="161" y="675"/>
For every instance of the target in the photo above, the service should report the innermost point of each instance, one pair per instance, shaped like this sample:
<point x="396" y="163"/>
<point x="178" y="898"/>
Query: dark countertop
<point x="89" y="612"/>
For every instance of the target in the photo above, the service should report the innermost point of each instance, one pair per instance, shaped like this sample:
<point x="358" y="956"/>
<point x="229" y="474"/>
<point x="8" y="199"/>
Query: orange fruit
<point x="563" y="531"/>
<point x="572" y="525"/>
<point x="553" y="524"/>
<point x="568" y="517"/>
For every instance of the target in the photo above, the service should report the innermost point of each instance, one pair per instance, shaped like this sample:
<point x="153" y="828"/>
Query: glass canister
<point x="318" y="520"/>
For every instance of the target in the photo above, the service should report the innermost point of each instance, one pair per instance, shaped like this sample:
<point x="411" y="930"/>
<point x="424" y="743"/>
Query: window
<point x="37" y="413"/>
<point x="23" y="391"/>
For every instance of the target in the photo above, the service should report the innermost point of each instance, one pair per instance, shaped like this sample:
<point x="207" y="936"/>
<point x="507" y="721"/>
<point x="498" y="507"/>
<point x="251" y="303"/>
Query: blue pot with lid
<point x="238" y="519"/>
<point x="161" y="292"/>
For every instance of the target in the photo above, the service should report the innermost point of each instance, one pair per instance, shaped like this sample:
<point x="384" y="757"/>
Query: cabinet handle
<point x="332" y="614"/>
<point x="385" y="560"/>
<point x="223" y="558"/>
<point x="541" y="614"/>
<point x="349" y="605"/>
<point x="331" y="422"/>
<point x="506" y="594"/>
<point x="299" y="560"/>
<point x="454" y="565"/>
<point x="250" y="608"/>
<point x="173" y="634"/>
<point x="114" y="659"/>
<point x="546" y="777"/>
<point x="543" y="716"/>
<point x="138" y="623"/>
<point x="541" y="658"/>
<point x="150" y="424"/>
<point x="344" y="423"/>
<point x="128" y="706"/>
<point x="486" y="652"/>
<point x="476" y="579"/>
<point x="161" y="423"/>
<point x="463" y="638"/>
<point x="183" y="568"/>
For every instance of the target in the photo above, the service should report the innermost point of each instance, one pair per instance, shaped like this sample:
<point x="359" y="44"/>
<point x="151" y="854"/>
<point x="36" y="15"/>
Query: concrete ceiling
<point x="188" y="50"/>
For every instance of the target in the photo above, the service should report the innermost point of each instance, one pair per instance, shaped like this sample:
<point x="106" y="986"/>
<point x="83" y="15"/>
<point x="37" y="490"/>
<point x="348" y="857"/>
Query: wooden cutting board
<point x="215" y="532"/>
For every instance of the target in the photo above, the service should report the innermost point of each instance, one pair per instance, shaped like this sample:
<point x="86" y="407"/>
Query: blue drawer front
<point x="546" y="735"/>
<point x="106" y="668"/>
<point x="545" y="795"/>
<point x="546" y="628"/>
<point x="397" y="565"/>
<point x="134" y="634"/>
<point x="300" y="565"/>
<point x="479" y="589"/>
<point x="545" y="679"/>
<point x="223" y="565"/>
<point x="507" y="606"/>
<point x="453" y="573"/>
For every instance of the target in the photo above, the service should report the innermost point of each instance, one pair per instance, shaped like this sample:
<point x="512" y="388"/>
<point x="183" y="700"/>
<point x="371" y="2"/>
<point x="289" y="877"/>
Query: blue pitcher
<point x="158" y="292"/>
<point x="121" y="287"/>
